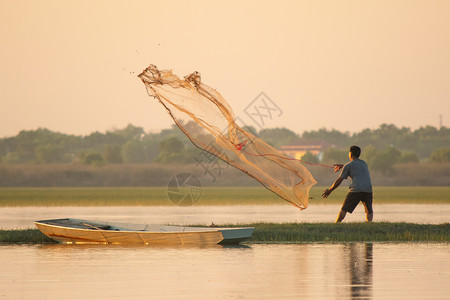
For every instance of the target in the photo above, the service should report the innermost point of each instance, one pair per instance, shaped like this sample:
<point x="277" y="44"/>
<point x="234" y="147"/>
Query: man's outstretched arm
<point x="335" y="185"/>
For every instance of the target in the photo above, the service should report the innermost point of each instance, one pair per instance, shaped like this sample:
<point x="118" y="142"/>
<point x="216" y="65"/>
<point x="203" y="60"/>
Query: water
<point x="308" y="271"/>
<point x="23" y="217"/>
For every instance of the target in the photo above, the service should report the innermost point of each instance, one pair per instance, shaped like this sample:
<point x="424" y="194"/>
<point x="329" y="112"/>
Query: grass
<point x="350" y="232"/>
<point x="24" y="236"/>
<point x="300" y="233"/>
<point x="83" y="196"/>
<point x="157" y="196"/>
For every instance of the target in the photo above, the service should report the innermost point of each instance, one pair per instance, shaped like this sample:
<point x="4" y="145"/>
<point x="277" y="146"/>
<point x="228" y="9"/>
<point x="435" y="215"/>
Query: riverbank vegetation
<point x="157" y="196"/>
<point x="350" y="232"/>
<point x="217" y="173"/>
<point x="133" y="145"/>
<point x="132" y="157"/>
<point x="300" y="233"/>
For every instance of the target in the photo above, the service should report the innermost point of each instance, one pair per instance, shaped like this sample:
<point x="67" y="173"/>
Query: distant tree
<point x="7" y="145"/>
<point x="150" y="143"/>
<point x="49" y="154"/>
<point x="333" y="155"/>
<point x="130" y="132"/>
<point x="340" y="139"/>
<point x="171" y="151"/>
<point x="363" y="138"/>
<point x="310" y="158"/>
<point x="113" y="154"/>
<point x="133" y="152"/>
<point x="95" y="140"/>
<point x="193" y="127"/>
<point x="12" y="158"/>
<point x="45" y="146"/>
<point x="171" y="145"/>
<point x="426" y="132"/>
<point x="440" y="155"/>
<point x="251" y="129"/>
<point x="384" y="136"/>
<point x="174" y="131"/>
<point x="368" y="154"/>
<point x="408" y="157"/>
<point x="25" y="141"/>
<point x="384" y="161"/>
<point x="95" y="159"/>
<point x="50" y="146"/>
<point x="428" y="139"/>
<point x="278" y="137"/>
<point x="394" y="152"/>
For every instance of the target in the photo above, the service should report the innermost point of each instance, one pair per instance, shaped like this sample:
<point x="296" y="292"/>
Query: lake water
<point x="23" y="217"/>
<point x="260" y="271"/>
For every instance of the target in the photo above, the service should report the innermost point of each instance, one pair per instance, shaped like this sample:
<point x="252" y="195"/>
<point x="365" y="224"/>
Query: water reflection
<point x="64" y="248"/>
<point x="360" y="270"/>
<point x="297" y="271"/>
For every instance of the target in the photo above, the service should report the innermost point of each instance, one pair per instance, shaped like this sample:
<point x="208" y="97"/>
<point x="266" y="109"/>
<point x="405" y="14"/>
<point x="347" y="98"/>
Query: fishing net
<point x="208" y="121"/>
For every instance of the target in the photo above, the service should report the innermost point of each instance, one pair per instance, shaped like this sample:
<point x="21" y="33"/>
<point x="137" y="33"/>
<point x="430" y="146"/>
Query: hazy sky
<point x="71" y="66"/>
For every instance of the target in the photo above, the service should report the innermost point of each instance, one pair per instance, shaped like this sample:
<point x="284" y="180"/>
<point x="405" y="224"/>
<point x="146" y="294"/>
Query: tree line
<point x="383" y="147"/>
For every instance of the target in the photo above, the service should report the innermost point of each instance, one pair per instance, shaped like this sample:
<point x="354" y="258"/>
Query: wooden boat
<point x="92" y="232"/>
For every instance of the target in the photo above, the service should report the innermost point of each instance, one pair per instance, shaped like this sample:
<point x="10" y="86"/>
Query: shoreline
<point x="24" y="217"/>
<point x="273" y="233"/>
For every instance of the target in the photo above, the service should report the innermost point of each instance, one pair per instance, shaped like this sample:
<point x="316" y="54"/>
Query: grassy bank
<point x="24" y="236"/>
<point x="301" y="233"/>
<point x="350" y="232"/>
<point x="157" y="196"/>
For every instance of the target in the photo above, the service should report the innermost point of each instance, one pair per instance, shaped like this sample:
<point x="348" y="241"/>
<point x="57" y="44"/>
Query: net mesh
<point x="208" y="121"/>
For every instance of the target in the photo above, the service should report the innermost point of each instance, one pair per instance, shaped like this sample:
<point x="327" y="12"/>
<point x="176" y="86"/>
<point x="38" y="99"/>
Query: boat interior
<point x="113" y="226"/>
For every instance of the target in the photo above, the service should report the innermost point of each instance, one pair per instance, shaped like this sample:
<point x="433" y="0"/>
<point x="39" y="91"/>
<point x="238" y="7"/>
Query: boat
<point x="77" y="231"/>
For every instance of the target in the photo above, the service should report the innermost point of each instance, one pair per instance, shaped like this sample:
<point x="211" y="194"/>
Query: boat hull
<point x="92" y="232"/>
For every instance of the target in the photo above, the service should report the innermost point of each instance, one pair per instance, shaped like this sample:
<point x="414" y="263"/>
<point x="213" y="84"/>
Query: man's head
<point x="355" y="152"/>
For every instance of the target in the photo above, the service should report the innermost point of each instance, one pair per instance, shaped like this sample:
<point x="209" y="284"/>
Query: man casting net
<point x="208" y="121"/>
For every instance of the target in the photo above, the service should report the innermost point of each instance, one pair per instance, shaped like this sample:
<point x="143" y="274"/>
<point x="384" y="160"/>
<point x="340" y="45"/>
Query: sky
<point x="72" y="66"/>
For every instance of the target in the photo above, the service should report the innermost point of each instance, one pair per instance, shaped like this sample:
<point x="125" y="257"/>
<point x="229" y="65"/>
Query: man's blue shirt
<point x="358" y="171"/>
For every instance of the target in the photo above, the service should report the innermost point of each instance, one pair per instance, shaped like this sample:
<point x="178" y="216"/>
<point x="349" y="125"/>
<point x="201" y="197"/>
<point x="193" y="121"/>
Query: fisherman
<point x="359" y="190"/>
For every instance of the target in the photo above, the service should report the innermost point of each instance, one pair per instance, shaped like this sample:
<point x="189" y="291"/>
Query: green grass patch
<point x="24" y="236"/>
<point x="302" y="233"/>
<point x="83" y="196"/>
<point x="157" y="196"/>
<point x="349" y="232"/>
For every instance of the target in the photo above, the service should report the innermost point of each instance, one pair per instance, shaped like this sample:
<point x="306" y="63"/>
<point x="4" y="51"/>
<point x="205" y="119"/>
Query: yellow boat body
<point x="75" y="231"/>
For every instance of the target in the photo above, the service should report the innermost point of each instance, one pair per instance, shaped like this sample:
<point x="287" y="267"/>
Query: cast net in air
<point x="208" y="121"/>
